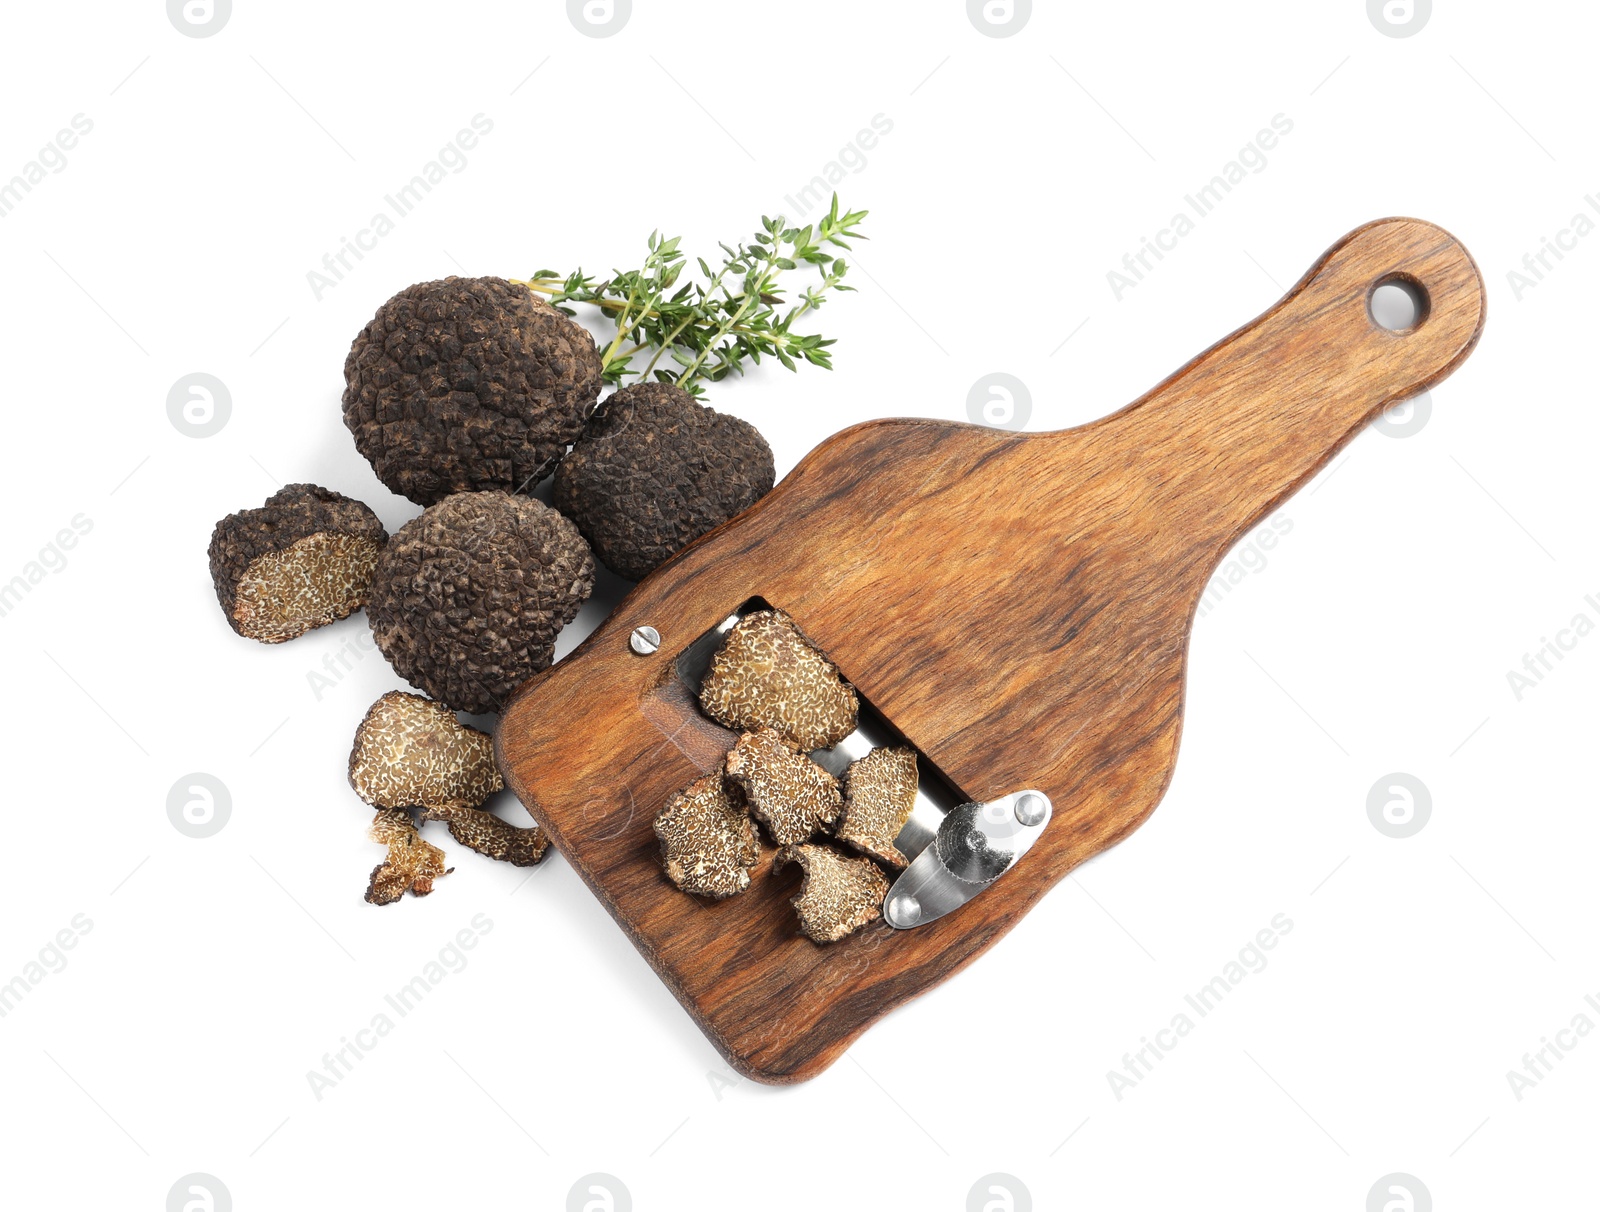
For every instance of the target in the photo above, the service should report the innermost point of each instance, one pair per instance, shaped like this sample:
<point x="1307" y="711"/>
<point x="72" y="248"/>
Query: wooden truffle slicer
<point x="1016" y="605"/>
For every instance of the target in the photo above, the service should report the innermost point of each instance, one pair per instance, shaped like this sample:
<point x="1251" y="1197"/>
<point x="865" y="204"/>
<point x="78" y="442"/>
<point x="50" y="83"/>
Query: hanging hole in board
<point x="1398" y="304"/>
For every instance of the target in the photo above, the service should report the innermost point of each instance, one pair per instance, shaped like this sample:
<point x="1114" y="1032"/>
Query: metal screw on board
<point x="904" y="910"/>
<point x="1030" y="809"/>
<point x="644" y="640"/>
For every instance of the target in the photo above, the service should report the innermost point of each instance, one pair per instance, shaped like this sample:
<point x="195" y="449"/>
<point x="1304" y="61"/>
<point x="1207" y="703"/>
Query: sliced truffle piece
<point x="411" y="752"/>
<point x="303" y="559"/>
<point x="880" y="790"/>
<point x="708" y="844"/>
<point x="412" y="865"/>
<point x="468" y="598"/>
<point x="839" y="893"/>
<point x="789" y="793"/>
<point x="654" y="470"/>
<point x="488" y="834"/>
<point x="768" y="675"/>
<point x="467" y="384"/>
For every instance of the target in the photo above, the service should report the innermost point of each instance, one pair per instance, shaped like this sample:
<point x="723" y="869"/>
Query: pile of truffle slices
<point x="464" y="394"/>
<point x="788" y="701"/>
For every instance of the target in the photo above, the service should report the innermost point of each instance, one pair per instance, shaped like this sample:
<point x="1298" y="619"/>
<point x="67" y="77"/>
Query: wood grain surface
<point x="1017" y="605"/>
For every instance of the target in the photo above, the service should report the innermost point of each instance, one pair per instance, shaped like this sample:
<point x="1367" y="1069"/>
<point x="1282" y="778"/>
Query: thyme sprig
<point x="708" y="327"/>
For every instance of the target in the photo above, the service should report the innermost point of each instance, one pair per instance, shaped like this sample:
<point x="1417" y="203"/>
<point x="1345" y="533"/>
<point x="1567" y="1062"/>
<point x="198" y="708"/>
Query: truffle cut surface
<point x="521" y="846"/>
<point x="411" y="752"/>
<point x="789" y="793"/>
<point x="768" y="675"/>
<point x="708" y="844"/>
<point x="880" y="791"/>
<point x="304" y="559"/>
<point x="839" y="893"/>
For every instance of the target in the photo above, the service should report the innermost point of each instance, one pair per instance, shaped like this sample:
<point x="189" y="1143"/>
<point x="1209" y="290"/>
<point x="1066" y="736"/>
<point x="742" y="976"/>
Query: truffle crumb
<point x="788" y="792"/>
<point x="839" y="894"/>
<point x="469" y="597"/>
<point x="766" y="674"/>
<point x="467" y="384"/>
<point x="880" y="790"/>
<point x="708" y="844"/>
<point x="489" y="835"/>
<point x="304" y="559"/>
<point x="653" y="470"/>
<point x="412" y="865"/>
<point x="411" y="752"/>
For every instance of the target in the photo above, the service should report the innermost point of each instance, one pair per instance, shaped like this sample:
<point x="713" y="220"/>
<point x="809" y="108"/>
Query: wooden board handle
<point x="1249" y="420"/>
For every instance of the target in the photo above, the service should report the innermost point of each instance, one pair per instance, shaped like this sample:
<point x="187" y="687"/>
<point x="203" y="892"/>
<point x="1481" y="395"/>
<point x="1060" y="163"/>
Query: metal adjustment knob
<point x="974" y="846"/>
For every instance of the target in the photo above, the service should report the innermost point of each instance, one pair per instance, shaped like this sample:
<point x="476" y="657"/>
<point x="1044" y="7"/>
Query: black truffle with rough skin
<point x="468" y="597"/>
<point x="467" y="384"/>
<point x="654" y="470"/>
<point x="303" y="559"/>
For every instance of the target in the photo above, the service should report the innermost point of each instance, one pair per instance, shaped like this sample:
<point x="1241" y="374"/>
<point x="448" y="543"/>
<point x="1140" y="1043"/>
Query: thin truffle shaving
<point x="489" y="835"/>
<point x="789" y="793"/>
<point x="839" y="894"/>
<point x="412" y="865"/>
<point x="766" y="674"/>
<point x="411" y="752"/>
<point x="708" y="844"/>
<point x="880" y="790"/>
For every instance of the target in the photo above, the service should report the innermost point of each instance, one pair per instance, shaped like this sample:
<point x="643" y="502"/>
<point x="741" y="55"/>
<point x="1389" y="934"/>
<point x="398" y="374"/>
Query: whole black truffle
<point x="467" y="384"/>
<point x="653" y="471"/>
<point x="468" y="597"/>
<point x="303" y="559"/>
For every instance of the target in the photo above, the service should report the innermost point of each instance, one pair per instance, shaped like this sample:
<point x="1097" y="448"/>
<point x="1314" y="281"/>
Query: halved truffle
<point x="880" y="790"/>
<point x="653" y="470"/>
<point x="788" y="792"/>
<point x="412" y="864"/>
<point x="839" y="894"/>
<point x="708" y="844"/>
<point x="468" y="598"/>
<point x="467" y="384"/>
<point x="302" y="560"/>
<point x="768" y="675"/>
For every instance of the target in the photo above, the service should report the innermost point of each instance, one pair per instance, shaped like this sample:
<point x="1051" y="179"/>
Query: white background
<point x="1019" y="170"/>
